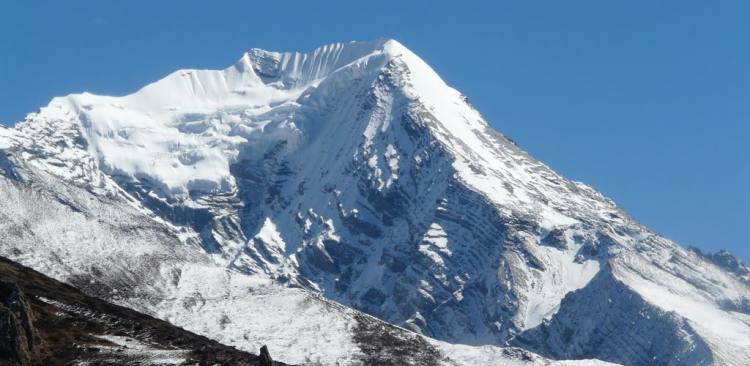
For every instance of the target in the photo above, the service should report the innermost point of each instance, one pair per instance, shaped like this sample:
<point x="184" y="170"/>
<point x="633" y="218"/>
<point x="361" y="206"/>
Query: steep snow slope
<point x="355" y="172"/>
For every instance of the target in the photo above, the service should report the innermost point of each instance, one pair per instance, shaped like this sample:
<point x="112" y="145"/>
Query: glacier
<point x="302" y="200"/>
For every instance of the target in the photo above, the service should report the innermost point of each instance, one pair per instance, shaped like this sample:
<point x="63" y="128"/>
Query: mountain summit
<point x="280" y="200"/>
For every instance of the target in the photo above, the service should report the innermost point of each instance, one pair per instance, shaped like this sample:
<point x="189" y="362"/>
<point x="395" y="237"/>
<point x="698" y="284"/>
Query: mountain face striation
<point x="292" y="197"/>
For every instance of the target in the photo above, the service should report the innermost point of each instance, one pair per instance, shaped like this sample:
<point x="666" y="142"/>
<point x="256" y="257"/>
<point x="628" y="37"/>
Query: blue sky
<point x="648" y="101"/>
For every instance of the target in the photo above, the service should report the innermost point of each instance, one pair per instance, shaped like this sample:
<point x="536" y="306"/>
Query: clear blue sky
<point x="649" y="101"/>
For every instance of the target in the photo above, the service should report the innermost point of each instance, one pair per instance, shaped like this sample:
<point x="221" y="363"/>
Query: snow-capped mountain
<point x="278" y="200"/>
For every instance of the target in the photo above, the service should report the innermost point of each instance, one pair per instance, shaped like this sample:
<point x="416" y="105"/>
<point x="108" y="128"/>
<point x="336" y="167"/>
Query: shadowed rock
<point x="17" y="334"/>
<point x="265" y="357"/>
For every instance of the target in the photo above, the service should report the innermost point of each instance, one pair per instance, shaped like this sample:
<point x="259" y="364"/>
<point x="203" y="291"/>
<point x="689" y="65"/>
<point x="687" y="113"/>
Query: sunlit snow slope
<point x="356" y="173"/>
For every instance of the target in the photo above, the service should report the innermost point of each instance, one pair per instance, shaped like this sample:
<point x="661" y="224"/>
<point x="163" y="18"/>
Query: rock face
<point x="265" y="358"/>
<point x="728" y="262"/>
<point x="18" y="338"/>
<point x="353" y="172"/>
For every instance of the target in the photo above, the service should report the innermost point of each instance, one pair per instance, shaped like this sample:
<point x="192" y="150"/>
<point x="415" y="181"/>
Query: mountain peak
<point x="300" y="68"/>
<point x="184" y="131"/>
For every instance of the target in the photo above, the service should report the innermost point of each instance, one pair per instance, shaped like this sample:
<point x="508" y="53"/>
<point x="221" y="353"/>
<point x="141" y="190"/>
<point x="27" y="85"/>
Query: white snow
<point x="435" y="244"/>
<point x="270" y="235"/>
<point x="498" y="356"/>
<point x="137" y="351"/>
<point x="563" y="275"/>
<point x="5" y="134"/>
<point x="544" y="300"/>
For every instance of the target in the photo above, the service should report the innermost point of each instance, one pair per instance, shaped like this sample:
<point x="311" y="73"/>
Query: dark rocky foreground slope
<point x="46" y="322"/>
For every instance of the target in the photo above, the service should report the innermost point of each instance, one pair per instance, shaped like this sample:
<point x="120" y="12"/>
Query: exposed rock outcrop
<point x="18" y="338"/>
<point x="265" y="358"/>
